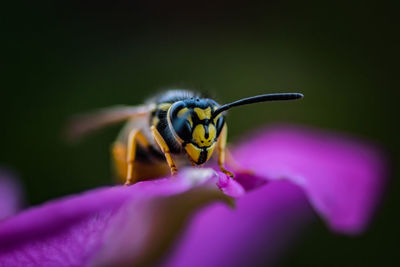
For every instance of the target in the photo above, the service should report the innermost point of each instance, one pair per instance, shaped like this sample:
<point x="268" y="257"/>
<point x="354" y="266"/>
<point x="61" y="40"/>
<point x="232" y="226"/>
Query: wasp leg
<point x="118" y="151"/>
<point x="222" y="150"/>
<point x="165" y="149"/>
<point x="134" y="137"/>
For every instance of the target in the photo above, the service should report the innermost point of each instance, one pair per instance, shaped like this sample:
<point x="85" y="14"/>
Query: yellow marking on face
<point x="216" y="118"/>
<point x="203" y="113"/>
<point x="210" y="151"/>
<point x="164" y="106"/>
<point x="183" y="112"/>
<point x="198" y="135"/>
<point x="193" y="152"/>
<point x="155" y="121"/>
<point x="219" y="115"/>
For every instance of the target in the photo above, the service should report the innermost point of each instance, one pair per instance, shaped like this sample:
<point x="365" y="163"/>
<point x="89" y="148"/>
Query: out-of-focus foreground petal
<point x="255" y="233"/>
<point x="342" y="177"/>
<point x="10" y="194"/>
<point x="305" y="170"/>
<point x="297" y="171"/>
<point x="112" y="226"/>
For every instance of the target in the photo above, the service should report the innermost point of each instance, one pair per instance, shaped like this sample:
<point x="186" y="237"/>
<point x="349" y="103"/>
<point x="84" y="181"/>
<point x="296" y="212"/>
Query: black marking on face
<point x="203" y="157"/>
<point x="206" y="133"/>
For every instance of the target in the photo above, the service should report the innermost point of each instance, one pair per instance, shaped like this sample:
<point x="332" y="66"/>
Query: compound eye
<point x="180" y="117"/>
<point x="219" y="124"/>
<point x="183" y="129"/>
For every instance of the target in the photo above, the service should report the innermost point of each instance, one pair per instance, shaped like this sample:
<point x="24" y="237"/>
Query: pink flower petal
<point x="305" y="170"/>
<point x="255" y="233"/>
<point x="342" y="178"/>
<point x="10" y="194"/>
<point x="230" y="186"/>
<point x="120" y="226"/>
<point x="118" y="221"/>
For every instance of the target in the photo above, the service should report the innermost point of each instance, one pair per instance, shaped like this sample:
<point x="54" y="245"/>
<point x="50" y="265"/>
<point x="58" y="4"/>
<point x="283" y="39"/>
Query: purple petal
<point x="121" y="226"/>
<point x="10" y="194"/>
<point x="108" y="225"/>
<point x="342" y="178"/>
<point x="230" y="186"/>
<point x="255" y="233"/>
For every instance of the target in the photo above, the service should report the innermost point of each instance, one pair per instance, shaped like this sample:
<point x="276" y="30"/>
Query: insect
<point x="168" y="126"/>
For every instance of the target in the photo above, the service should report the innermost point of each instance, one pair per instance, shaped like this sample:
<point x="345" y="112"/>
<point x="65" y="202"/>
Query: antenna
<point x="257" y="99"/>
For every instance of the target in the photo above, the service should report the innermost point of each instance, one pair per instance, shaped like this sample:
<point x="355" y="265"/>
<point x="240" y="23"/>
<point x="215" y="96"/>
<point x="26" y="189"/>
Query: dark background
<point x="74" y="56"/>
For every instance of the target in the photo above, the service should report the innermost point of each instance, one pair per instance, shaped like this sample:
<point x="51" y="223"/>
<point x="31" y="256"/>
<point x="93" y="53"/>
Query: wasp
<point x="168" y="126"/>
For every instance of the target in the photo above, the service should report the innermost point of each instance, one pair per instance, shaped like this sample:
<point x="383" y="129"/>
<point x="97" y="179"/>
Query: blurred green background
<point x="69" y="57"/>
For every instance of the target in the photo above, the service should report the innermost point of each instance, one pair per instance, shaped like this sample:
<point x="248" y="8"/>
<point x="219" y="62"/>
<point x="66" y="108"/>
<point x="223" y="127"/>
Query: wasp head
<point x="193" y="126"/>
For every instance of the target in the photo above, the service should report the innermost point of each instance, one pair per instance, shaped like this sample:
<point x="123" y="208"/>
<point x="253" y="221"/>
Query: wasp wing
<point x="81" y="125"/>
